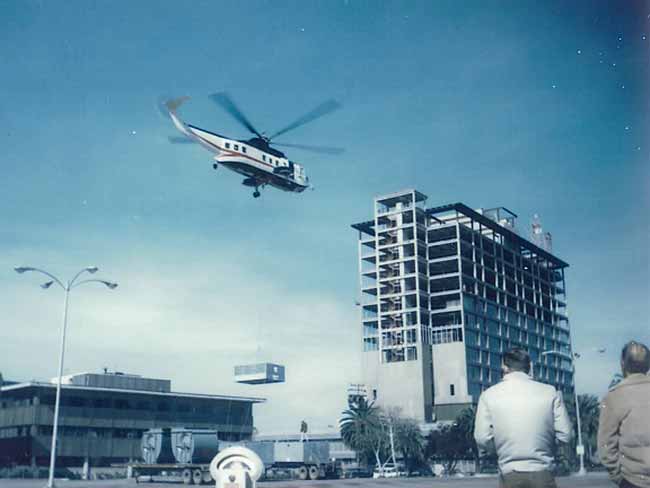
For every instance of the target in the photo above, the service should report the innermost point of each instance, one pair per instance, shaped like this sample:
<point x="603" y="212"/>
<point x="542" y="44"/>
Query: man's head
<point x="516" y="359"/>
<point x="635" y="358"/>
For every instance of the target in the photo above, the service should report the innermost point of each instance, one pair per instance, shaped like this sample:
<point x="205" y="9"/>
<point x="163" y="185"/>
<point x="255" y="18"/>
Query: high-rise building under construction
<point x="444" y="292"/>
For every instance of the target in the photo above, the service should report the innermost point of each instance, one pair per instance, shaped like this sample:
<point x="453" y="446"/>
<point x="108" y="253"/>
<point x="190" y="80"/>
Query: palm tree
<point x="409" y="441"/>
<point x="361" y="427"/>
<point x="589" y="415"/>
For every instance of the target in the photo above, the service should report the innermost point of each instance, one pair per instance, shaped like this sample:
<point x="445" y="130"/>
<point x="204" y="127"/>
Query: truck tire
<point x="314" y="472"/>
<point x="303" y="473"/>
<point x="207" y="477"/>
<point x="186" y="474"/>
<point x="197" y="476"/>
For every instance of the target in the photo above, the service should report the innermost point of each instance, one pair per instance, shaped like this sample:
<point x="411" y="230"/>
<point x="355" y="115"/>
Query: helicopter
<point x="254" y="158"/>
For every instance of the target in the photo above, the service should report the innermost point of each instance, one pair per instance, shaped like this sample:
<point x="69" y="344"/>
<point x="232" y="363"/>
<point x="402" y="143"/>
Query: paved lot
<point x="595" y="480"/>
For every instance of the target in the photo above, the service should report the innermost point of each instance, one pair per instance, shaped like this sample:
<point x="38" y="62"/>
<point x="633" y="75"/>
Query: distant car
<point x="389" y="471"/>
<point x="356" y="473"/>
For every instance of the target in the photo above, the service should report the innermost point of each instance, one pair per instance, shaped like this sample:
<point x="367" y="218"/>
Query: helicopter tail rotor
<point x="167" y="105"/>
<point x="174" y="103"/>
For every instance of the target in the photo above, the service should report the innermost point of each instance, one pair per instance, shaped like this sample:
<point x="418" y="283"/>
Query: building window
<point x="102" y="403"/>
<point x="374" y="394"/>
<point x="445" y="336"/>
<point x="452" y="390"/>
<point x="121" y="404"/>
<point x="143" y="405"/>
<point x="411" y="336"/>
<point x="411" y="353"/>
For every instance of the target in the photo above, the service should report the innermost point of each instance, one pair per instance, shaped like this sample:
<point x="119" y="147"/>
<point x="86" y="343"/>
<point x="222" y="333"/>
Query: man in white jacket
<point x="521" y="420"/>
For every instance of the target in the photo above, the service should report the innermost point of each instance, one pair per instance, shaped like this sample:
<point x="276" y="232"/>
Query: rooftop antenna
<point x="536" y="231"/>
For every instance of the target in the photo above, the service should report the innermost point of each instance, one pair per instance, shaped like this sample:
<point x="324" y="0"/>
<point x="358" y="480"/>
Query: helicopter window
<point x="236" y="147"/>
<point x="227" y="145"/>
<point x="263" y="157"/>
<point x="243" y="148"/>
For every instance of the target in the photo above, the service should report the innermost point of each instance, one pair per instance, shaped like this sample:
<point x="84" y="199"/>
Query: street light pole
<point x="580" y="447"/>
<point x="57" y="402"/>
<point x="66" y="288"/>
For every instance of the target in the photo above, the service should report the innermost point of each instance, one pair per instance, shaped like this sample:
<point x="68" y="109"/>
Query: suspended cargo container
<point x="261" y="373"/>
<point x="157" y="446"/>
<point x="194" y="446"/>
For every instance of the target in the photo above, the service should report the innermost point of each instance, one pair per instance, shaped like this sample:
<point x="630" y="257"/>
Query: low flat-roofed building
<point x="103" y="425"/>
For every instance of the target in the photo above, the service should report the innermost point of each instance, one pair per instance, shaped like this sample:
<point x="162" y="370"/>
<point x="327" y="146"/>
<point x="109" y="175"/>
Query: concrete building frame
<point x="444" y="292"/>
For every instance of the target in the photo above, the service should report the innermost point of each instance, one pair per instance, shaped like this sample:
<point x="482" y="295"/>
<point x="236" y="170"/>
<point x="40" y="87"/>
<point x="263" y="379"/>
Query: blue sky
<point x="541" y="107"/>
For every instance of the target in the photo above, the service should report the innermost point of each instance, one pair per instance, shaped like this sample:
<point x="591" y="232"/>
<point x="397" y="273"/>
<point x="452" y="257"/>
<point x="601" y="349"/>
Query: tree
<point x="447" y="445"/>
<point x="589" y="416"/>
<point x="363" y="431"/>
<point x="409" y="442"/>
<point x="465" y="422"/>
<point x="379" y="436"/>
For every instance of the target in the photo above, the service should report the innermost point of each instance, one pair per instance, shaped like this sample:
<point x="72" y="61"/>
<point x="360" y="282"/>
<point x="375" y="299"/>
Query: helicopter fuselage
<point x="253" y="158"/>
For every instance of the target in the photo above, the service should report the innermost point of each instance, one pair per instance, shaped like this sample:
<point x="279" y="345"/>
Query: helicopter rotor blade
<point x="225" y="102"/>
<point x="180" y="140"/>
<point x="323" y="109"/>
<point x="316" y="149"/>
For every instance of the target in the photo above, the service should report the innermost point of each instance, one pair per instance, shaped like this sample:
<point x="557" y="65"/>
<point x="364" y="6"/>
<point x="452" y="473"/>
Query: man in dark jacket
<point x="624" y="427"/>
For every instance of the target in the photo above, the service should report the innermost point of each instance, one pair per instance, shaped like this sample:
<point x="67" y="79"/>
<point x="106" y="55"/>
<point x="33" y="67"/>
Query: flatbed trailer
<point x="292" y="458"/>
<point x="188" y="474"/>
<point x="197" y="474"/>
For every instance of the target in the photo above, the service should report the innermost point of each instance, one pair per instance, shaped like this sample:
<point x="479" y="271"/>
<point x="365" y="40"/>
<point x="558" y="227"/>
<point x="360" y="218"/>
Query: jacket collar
<point x="516" y="375"/>
<point x="633" y="379"/>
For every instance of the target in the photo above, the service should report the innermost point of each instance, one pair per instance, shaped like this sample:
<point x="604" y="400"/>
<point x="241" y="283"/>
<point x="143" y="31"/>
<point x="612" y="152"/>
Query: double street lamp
<point x="67" y="287"/>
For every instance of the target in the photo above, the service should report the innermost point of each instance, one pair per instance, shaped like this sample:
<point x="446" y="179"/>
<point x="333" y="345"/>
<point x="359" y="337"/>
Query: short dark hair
<point x="635" y="358"/>
<point x="517" y="359"/>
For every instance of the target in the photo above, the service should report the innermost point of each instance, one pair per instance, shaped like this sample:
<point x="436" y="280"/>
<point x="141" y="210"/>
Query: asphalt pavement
<point x="592" y="480"/>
